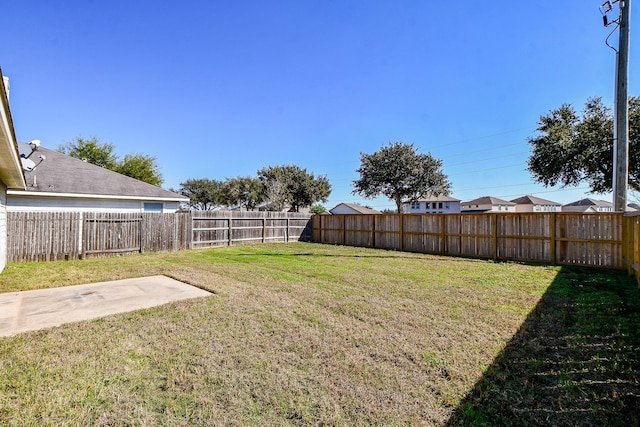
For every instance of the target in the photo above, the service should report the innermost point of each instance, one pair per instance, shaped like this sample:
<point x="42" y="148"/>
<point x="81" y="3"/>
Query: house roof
<point x="438" y="199"/>
<point x="60" y="174"/>
<point x="590" y="202"/>
<point x="579" y="209"/>
<point x="533" y="200"/>
<point x="488" y="200"/>
<point x="358" y="208"/>
<point x="10" y="167"/>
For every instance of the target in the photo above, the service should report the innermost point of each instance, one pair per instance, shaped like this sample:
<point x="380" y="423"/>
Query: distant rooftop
<point x="488" y="200"/>
<point x="590" y="202"/>
<point x="358" y="208"/>
<point x="430" y="198"/>
<point x="533" y="200"/>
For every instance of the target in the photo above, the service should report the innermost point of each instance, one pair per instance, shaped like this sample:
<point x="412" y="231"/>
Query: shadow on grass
<point x="574" y="361"/>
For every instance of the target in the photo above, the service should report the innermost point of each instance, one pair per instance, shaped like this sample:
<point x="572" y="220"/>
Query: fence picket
<point x="559" y="238"/>
<point x="45" y="236"/>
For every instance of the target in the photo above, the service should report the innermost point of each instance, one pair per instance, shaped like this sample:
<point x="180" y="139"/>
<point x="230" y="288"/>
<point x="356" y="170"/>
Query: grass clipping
<point x="304" y="334"/>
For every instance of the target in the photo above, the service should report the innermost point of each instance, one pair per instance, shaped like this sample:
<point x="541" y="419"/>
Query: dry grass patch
<point x="296" y="334"/>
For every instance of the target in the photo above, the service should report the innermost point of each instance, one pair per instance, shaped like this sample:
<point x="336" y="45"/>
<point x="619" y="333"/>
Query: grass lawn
<point x="308" y="334"/>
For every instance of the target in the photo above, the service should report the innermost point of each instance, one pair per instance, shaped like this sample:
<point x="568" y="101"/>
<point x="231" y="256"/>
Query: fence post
<point x="636" y="249"/>
<point x="494" y="225"/>
<point x="344" y="230"/>
<point x="373" y="230"/>
<point x="230" y="228"/>
<point x="80" y="233"/>
<point x="401" y="219"/>
<point x="628" y="242"/>
<point x="140" y="234"/>
<point x="264" y="226"/>
<point x="286" y="234"/>
<point x="552" y="236"/>
<point x="443" y="234"/>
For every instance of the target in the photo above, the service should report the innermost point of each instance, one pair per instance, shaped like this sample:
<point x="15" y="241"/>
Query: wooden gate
<point x="109" y="234"/>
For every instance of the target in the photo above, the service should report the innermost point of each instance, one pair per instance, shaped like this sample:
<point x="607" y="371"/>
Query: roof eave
<point x="24" y="193"/>
<point x="10" y="166"/>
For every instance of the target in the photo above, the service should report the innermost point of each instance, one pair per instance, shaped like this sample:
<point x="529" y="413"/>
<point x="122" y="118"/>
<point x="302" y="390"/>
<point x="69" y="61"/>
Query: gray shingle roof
<point x="441" y="198"/>
<point x="488" y="200"/>
<point x="590" y="202"/>
<point x="358" y="208"/>
<point x="60" y="173"/>
<point x="533" y="200"/>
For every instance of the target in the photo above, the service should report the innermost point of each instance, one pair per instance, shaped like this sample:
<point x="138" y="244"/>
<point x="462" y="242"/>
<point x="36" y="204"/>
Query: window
<point x="153" y="207"/>
<point x="415" y="205"/>
<point x="440" y="205"/>
<point x="446" y="205"/>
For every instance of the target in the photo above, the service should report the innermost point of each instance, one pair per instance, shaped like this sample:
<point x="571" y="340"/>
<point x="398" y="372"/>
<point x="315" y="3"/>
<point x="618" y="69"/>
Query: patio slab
<point x="44" y="308"/>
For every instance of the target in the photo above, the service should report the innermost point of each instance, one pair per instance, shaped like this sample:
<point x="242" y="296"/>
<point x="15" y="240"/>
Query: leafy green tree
<point x="398" y="172"/>
<point x="91" y="150"/>
<point x="244" y="191"/>
<point x="203" y="193"/>
<point x="318" y="209"/>
<point x="292" y="186"/>
<point x="140" y="167"/>
<point x="573" y="148"/>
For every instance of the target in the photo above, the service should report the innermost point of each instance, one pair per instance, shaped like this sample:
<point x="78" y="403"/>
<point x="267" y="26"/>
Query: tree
<point x="92" y="151"/>
<point x="137" y="166"/>
<point x="398" y="172"/>
<point x="318" y="209"/>
<point x="572" y="148"/>
<point x="204" y="194"/>
<point x="293" y="186"/>
<point x="244" y="191"/>
<point x="140" y="167"/>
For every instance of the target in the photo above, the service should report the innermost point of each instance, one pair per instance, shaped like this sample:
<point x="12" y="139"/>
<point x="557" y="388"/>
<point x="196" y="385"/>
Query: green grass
<point x="304" y="334"/>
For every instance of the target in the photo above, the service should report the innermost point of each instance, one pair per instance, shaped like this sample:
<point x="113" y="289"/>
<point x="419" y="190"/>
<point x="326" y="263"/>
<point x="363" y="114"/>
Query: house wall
<point x="428" y="207"/>
<point x="3" y="226"/>
<point x="538" y="208"/>
<point x="72" y="204"/>
<point x="489" y="208"/>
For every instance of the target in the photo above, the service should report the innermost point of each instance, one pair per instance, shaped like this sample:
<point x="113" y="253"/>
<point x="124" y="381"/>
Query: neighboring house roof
<point x="60" y="174"/>
<point x="590" y="202"/>
<point x="579" y="209"/>
<point x="358" y="208"/>
<point x="437" y="199"/>
<point x="488" y="200"/>
<point x="533" y="200"/>
<point x="10" y="166"/>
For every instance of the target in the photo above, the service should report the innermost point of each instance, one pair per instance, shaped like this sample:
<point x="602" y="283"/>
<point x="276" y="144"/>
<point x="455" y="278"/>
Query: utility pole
<point x="621" y="120"/>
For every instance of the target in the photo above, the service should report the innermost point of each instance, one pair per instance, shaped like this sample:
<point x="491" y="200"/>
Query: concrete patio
<point x="44" y="308"/>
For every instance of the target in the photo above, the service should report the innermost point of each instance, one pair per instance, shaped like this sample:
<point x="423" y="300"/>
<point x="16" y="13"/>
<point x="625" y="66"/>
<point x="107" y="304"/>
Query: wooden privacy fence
<point x="554" y="238"/>
<point x="48" y="236"/>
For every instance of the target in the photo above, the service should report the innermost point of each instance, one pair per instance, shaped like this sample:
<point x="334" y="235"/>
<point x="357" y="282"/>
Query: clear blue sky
<point x="221" y="89"/>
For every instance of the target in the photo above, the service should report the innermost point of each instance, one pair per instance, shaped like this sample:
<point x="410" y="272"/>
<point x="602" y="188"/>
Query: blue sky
<point x="220" y="89"/>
